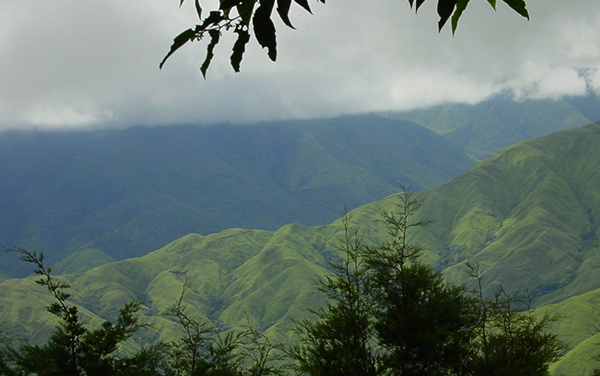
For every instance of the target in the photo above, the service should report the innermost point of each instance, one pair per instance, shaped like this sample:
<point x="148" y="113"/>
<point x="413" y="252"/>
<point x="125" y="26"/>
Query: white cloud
<point x="95" y="62"/>
<point x="542" y="81"/>
<point x="418" y="89"/>
<point x="65" y="117"/>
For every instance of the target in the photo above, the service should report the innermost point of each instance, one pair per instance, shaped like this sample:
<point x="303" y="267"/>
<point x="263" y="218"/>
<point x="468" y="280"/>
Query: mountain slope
<point x="578" y="327"/>
<point x="267" y="276"/>
<point x="486" y="128"/>
<point x="106" y="195"/>
<point x="528" y="215"/>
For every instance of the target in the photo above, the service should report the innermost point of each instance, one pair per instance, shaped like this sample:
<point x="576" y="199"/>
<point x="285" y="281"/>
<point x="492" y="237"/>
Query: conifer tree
<point x="390" y="314"/>
<point x="511" y="341"/>
<point x="339" y="342"/>
<point x="423" y="324"/>
<point x="73" y="349"/>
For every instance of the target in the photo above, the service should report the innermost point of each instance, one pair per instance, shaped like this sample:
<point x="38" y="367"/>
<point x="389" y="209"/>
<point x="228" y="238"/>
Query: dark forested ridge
<point x="528" y="216"/>
<point x="123" y="193"/>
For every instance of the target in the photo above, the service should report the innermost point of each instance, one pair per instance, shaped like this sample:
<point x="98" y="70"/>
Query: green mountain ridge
<point x="528" y="216"/>
<point x="538" y="200"/>
<point x="486" y="128"/>
<point x="96" y="196"/>
<point x="579" y="329"/>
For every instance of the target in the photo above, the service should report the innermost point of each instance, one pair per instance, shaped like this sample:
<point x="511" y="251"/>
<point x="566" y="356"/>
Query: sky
<point x="94" y="63"/>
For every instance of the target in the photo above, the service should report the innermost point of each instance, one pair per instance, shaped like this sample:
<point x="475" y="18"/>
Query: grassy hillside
<point x="107" y="195"/>
<point x="528" y="216"/>
<point x="490" y="126"/>
<point x="579" y="329"/>
<point x="268" y="276"/>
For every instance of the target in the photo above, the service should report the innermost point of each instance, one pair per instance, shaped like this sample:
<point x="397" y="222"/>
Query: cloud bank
<point x="66" y="64"/>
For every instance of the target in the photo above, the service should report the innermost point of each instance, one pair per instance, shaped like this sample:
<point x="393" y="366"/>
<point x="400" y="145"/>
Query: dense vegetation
<point x="387" y="314"/>
<point x="74" y="349"/>
<point x="390" y="314"/>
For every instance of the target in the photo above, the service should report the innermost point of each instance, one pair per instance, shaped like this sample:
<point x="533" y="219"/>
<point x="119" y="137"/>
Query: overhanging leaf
<point x="461" y="5"/>
<point x="445" y="8"/>
<point x="304" y="4"/>
<point x="518" y="6"/>
<point x="283" y="8"/>
<point x="186" y="36"/>
<point x="228" y="4"/>
<point x="198" y="9"/>
<point x="419" y="3"/>
<point x="264" y="30"/>
<point x="215" y="35"/>
<point x="245" y="10"/>
<point x="239" y="48"/>
<point x="268" y="5"/>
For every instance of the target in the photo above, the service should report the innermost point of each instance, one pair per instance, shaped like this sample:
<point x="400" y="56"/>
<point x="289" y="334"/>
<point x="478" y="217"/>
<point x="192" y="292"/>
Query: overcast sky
<point x="94" y="63"/>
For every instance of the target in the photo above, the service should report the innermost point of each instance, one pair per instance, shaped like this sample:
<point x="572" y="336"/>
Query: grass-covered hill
<point x="528" y="216"/>
<point x="97" y="196"/>
<point x="488" y="127"/>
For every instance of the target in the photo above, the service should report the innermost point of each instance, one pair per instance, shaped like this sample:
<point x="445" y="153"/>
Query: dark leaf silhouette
<point x="186" y="36"/>
<point x="215" y="35"/>
<point x="239" y="48"/>
<point x="256" y="16"/>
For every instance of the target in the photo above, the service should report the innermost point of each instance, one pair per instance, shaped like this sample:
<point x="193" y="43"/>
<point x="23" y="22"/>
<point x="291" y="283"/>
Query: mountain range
<point x="90" y="197"/>
<point x="528" y="216"/>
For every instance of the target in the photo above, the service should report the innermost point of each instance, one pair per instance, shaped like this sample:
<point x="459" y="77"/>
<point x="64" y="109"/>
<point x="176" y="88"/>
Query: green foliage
<point x="516" y="343"/>
<point x="390" y="314"/>
<point x="579" y="331"/>
<point x="596" y="372"/>
<point x="424" y="324"/>
<point x="202" y="350"/>
<point x="241" y="16"/>
<point x="456" y="8"/>
<point x="511" y="339"/>
<point x="73" y="349"/>
<point x="339" y="342"/>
